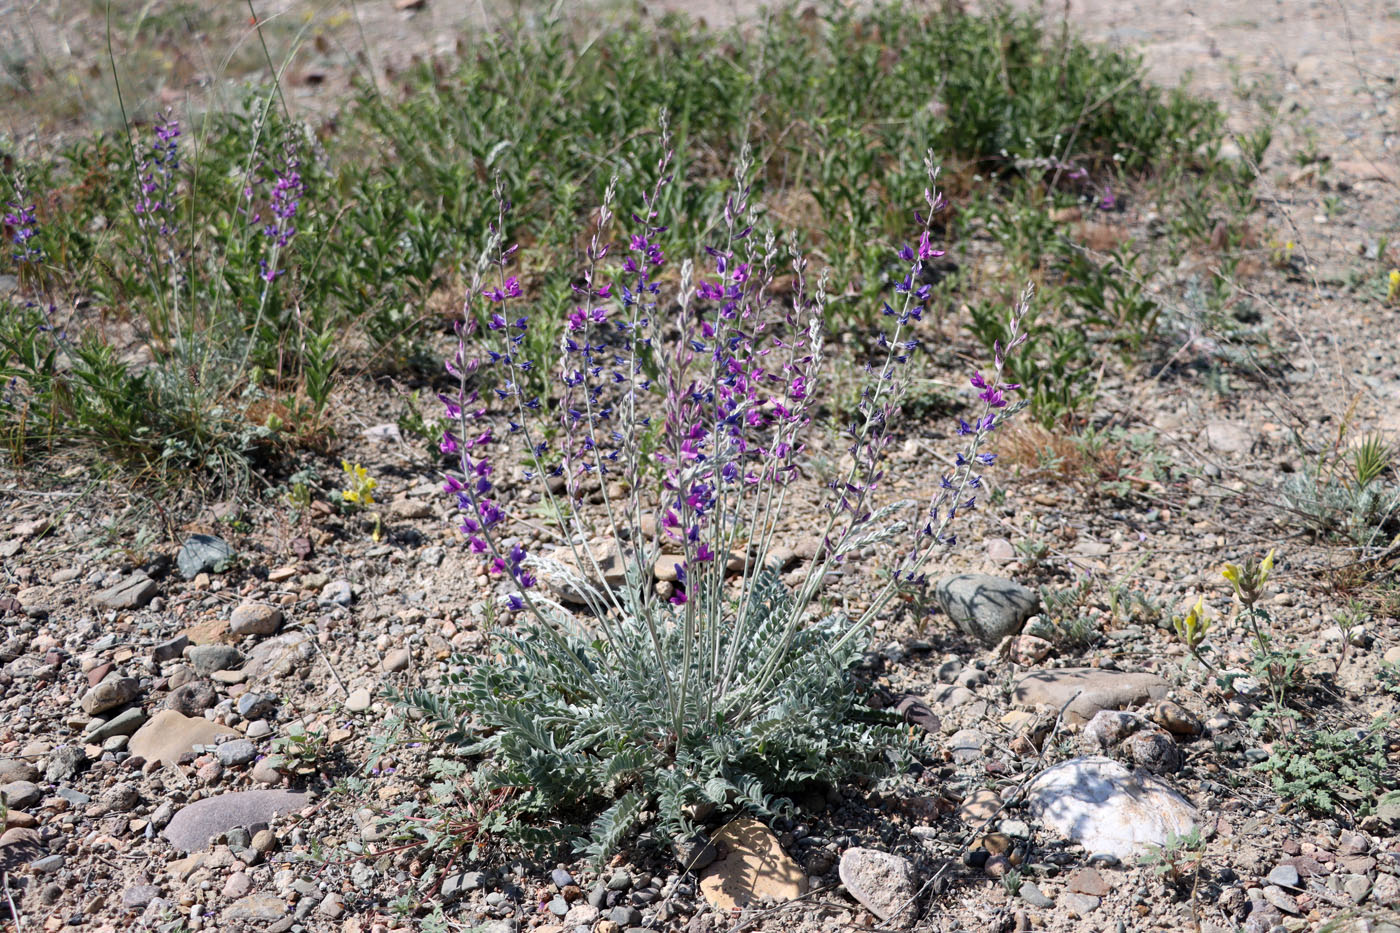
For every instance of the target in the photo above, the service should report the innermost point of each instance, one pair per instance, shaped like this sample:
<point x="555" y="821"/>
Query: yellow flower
<point x="1233" y="574"/>
<point x="362" y="485"/>
<point x="1193" y="627"/>
<point x="1265" y="567"/>
<point x="1394" y="288"/>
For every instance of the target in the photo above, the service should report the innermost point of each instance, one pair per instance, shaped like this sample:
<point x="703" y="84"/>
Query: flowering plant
<point x="695" y="675"/>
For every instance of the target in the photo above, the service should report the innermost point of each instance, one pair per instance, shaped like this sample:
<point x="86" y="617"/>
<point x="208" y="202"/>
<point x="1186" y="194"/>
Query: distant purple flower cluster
<point x="279" y="225"/>
<point x="157" y="179"/>
<point x="24" y="228"/>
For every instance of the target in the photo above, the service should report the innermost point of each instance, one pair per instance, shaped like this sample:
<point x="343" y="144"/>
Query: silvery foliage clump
<point x="686" y="398"/>
<point x="1357" y="500"/>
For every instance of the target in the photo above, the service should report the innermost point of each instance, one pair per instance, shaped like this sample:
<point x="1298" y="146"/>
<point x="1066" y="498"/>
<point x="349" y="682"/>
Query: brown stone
<point x="1088" y="881"/>
<point x="753" y="866"/>
<point x="212" y="632"/>
<point x="167" y="735"/>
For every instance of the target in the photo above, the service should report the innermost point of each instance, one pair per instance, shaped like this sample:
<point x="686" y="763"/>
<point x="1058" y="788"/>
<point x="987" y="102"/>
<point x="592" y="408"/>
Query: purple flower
<point x="26" y="228"/>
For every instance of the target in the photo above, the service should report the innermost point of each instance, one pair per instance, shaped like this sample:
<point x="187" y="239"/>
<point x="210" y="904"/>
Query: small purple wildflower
<point x="24" y="226"/>
<point x="157" y="179"/>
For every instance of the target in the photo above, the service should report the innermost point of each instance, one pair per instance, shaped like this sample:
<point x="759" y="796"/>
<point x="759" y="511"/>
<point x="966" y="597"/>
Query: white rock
<point x="883" y="882"/>
<point x="1103" y="806"/>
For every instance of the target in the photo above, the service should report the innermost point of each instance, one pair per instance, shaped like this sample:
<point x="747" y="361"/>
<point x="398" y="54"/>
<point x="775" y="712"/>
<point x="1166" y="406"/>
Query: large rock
<point x="1104" y="807"/>
<point x="986" y="607"/>
<point x="21" y="795"/>
<point x="278" y="657"/>
<point x="883" y="882"/>
<point x="111" y="693"/>
<point x="754" y="867"/>
<point x="206" y="659"/>
<point x="193" y="827"/>
<point x="19" y="846"/>
<point x="167" y="735"/>
<point x="1088" y="690"/>
<point x="201" y="553"/>
<point x="132" y="593"/>
<point x="255" y="619"/>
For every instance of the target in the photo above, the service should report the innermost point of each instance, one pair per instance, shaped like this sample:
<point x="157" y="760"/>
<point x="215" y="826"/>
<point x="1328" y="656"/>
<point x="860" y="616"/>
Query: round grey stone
<point x="237" y="752"/>
<point x="207" y="659"/>
<point x="985" y="607"/>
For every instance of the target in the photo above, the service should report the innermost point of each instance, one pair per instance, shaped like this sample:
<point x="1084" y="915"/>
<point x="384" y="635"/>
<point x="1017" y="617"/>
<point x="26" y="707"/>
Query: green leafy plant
<point x="1331" y="773"/>
<point x="580" y="727"/>
<point x="1178" y="858"/>
<point x="1113" y="294"/>
<point x="1388" y="676"/>
<point x="1067" y="610"/>
<point x="303" y="750"/>
<point x="1012" y="881"/>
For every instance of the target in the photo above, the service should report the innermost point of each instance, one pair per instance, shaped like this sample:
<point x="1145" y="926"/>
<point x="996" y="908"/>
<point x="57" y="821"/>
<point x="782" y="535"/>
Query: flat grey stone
<point x="1284" y="875"/>
<point x="1031" y="894"/>
<point x="170" y="650"/>
<point x="1087" y="690"/>
<point x="279" y="656"/>
<point x="124" y="723"/>
<point x="1080" y="905"/>
<point x="132" y="593"/>
<point x="138" y="896"/>
<point x="262" y="907"/>
<point x="884" y="883"/>
<point x="202" y="553"/>
<point x="625" y="916"/>
<point x="985" y="607"/>
<point x="338" y="592"/>
<point x="254" y="705"/>
<point x="237" y="752"/>
<point x="965" y="746"/>
<point x="1356" y="888"/>
<point x="461" y="882"/>
<point x="1103" y="806"/>
<point x="1281" y="899"/>
<point x="191" y="829"/>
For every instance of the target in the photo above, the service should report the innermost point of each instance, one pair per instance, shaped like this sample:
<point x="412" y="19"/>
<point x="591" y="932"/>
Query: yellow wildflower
<point x="362" y="485"/>
<point x="1233" y="574"/>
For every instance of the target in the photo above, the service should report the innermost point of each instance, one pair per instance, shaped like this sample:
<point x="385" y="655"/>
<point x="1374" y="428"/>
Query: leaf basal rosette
<point x="587" y="727"/>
